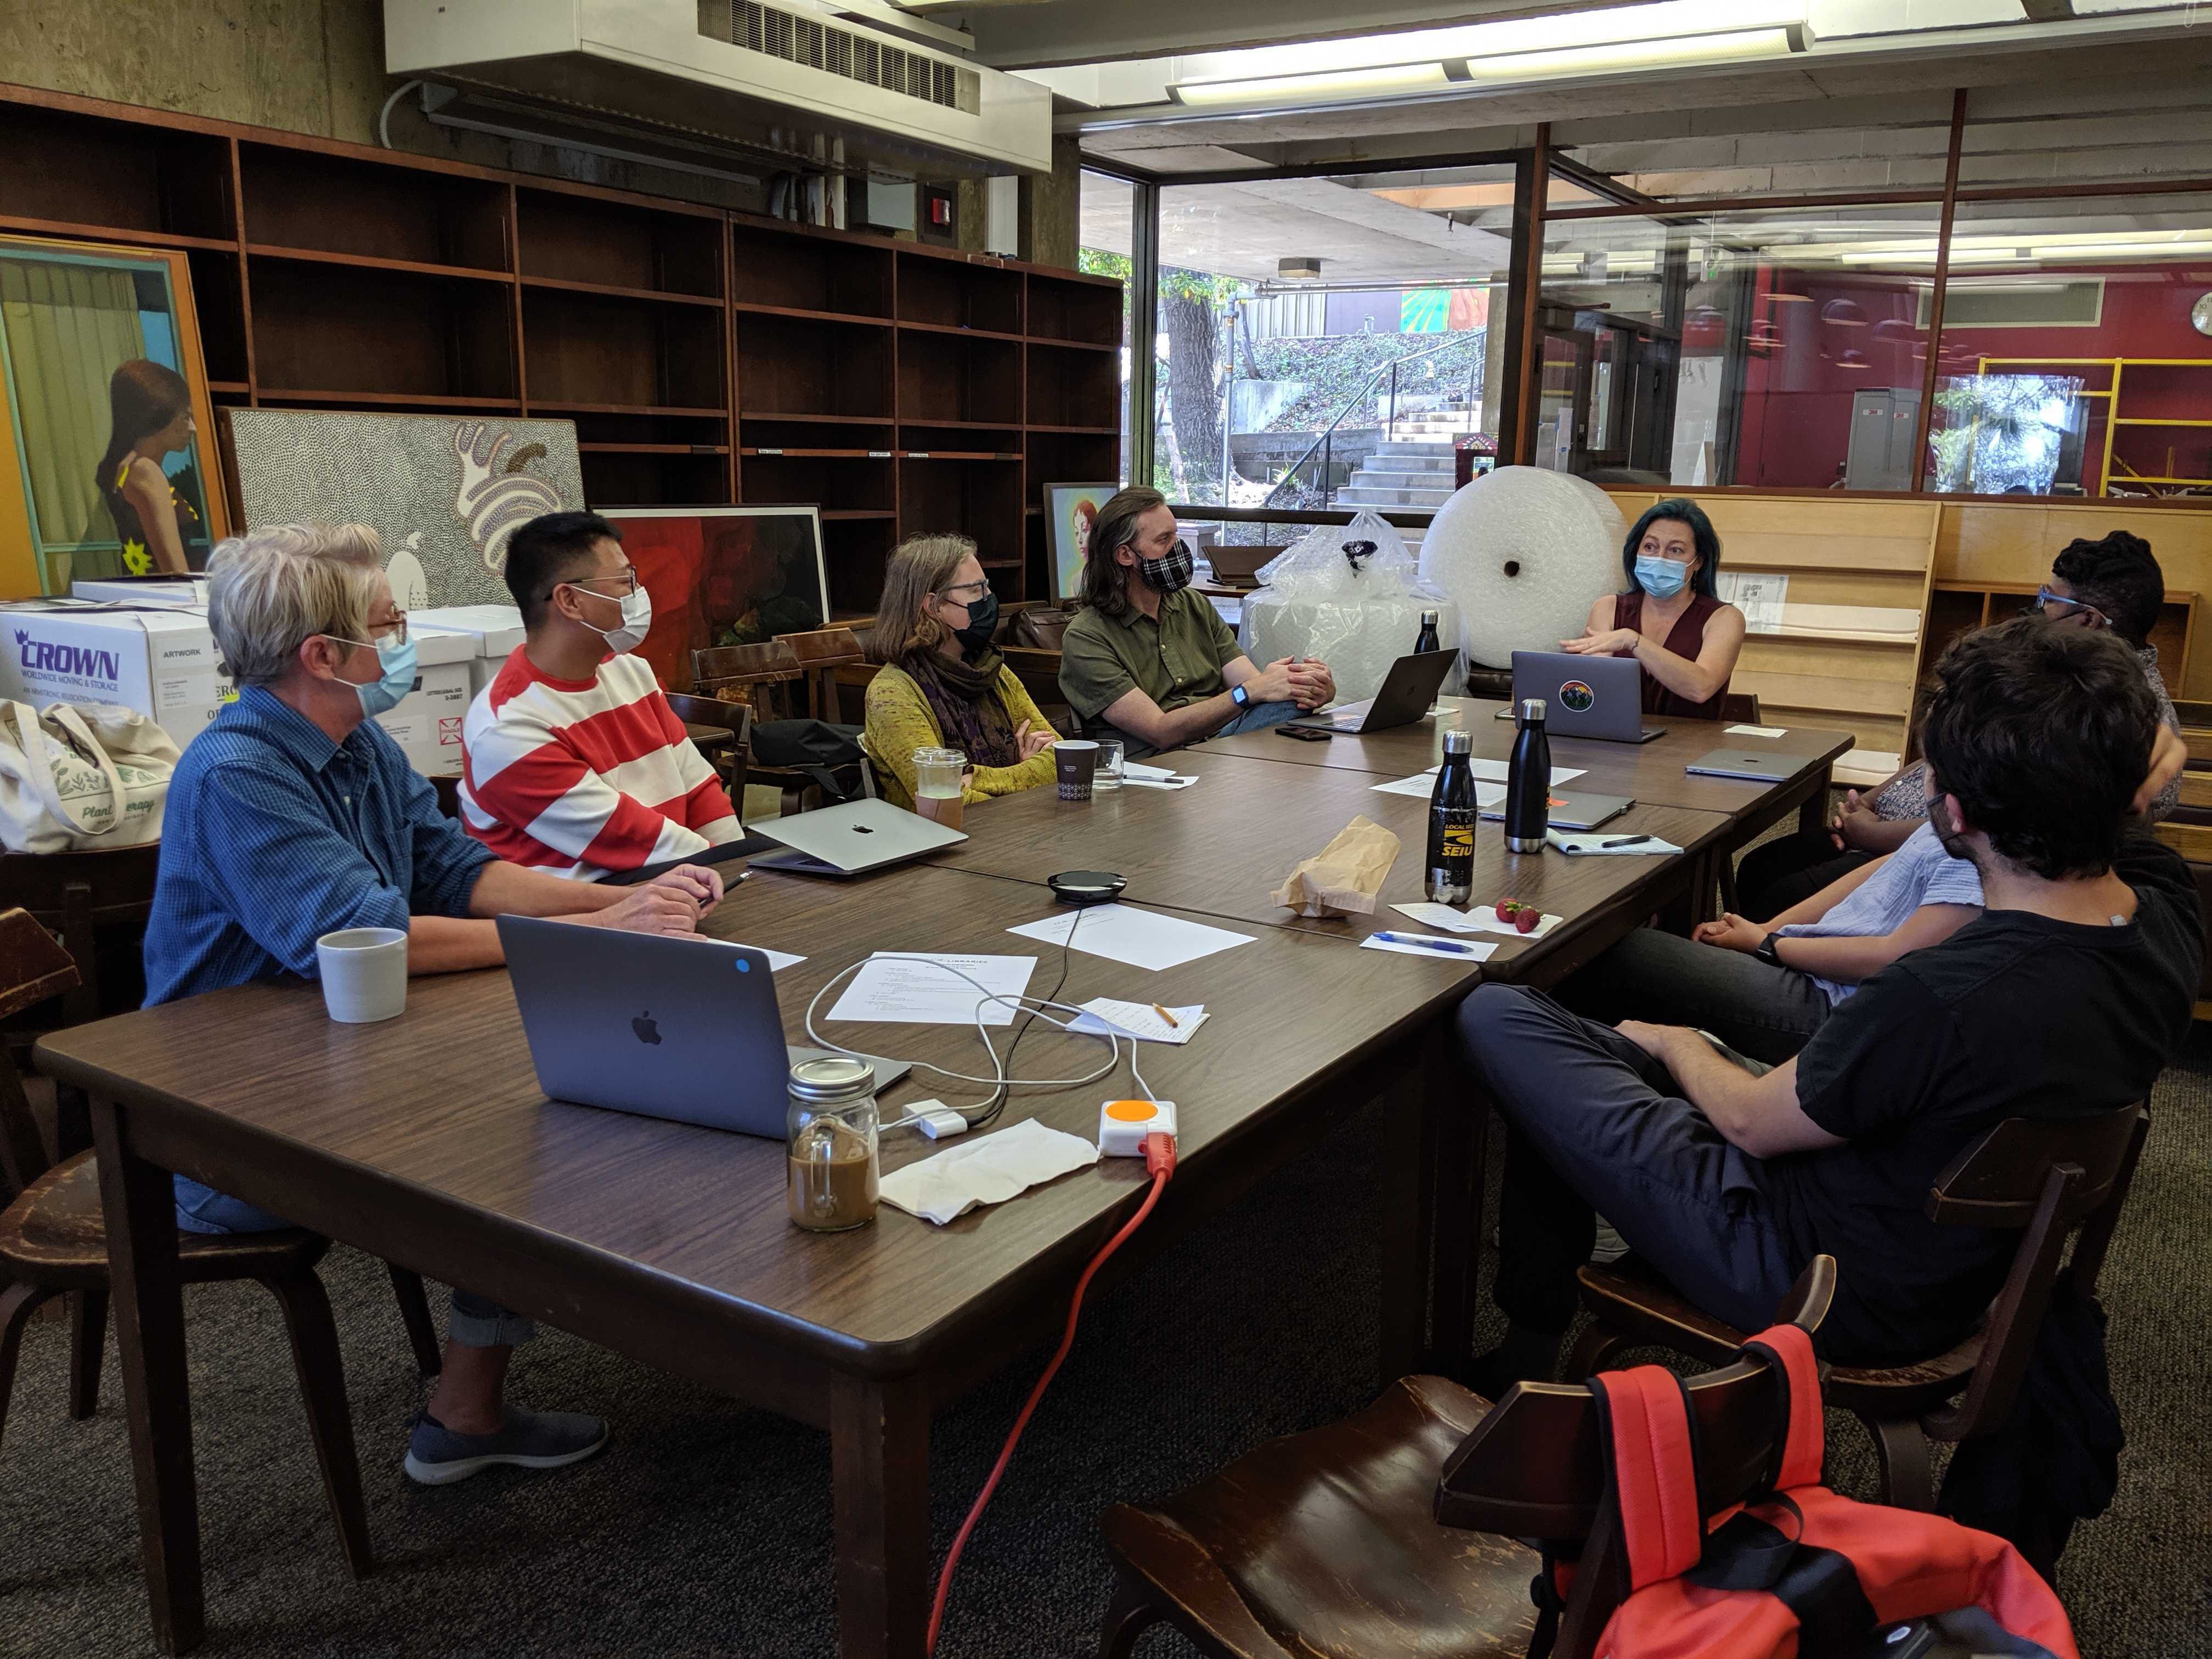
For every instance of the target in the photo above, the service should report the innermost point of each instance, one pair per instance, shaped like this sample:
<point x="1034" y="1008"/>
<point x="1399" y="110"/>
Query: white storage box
<point x="143" y="590"/>
<point x="160" y="662"/>
<point x="426" y="724"/>
<point x="493" y="630"/>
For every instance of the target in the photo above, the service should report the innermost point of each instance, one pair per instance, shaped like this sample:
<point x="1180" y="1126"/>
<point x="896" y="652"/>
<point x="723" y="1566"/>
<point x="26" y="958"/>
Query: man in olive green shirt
<point x="1150" y="662"/>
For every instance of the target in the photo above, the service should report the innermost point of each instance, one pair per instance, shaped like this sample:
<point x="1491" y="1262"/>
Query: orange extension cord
<point x="1159" y="1158"/>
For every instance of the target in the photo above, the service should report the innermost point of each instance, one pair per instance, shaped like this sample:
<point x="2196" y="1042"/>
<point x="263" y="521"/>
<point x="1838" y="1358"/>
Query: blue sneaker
<point x="437" y="1456"/>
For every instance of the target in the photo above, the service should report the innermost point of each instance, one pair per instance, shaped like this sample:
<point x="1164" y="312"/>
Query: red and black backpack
<point x="1799" y="1573"/>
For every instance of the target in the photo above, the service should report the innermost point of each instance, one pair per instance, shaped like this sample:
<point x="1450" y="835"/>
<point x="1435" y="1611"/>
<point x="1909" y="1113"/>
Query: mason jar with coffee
<point x="829" y="1145"/>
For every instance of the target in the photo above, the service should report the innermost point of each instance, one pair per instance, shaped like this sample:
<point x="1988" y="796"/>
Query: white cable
<point x="383" y="115"/>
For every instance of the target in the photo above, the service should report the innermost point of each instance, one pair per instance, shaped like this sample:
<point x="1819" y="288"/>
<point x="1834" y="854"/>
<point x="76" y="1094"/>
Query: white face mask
<point x="636" y="620"/>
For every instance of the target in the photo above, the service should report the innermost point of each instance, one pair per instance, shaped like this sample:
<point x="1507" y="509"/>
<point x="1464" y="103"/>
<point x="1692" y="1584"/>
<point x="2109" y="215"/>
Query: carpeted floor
<point x="706" y="1529"/>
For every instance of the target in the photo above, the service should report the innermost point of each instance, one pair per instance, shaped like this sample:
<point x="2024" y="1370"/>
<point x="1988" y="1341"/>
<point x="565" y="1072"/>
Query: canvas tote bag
<point x="81" y="779"/>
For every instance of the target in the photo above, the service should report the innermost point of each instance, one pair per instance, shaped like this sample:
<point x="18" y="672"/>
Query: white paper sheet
<point x="1422" y="784"/>
<point x="1143" y="938"/>
<point x="1463" y="953"/>
<point x="1140" y="770"/>
<point x="896" y="989"/>
<point x="1758" y="594"/>
<point x="1477" y="919"/>
<point x="1137" y="1019"/>
<point x="777" y="960"/>
<point x="1758" y="731"/>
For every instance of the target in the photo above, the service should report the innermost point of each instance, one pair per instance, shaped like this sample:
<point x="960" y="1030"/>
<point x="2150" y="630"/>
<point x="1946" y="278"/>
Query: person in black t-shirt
<point x="2066" y="997"/>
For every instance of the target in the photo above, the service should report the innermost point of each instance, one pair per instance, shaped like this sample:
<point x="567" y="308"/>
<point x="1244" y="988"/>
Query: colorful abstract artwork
<point x="444" y="492"/>
<point x="723" y="576"/>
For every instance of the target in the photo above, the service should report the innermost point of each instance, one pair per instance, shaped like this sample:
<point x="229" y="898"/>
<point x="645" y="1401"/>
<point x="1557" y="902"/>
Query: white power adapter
<point x="1123" y="1125"/>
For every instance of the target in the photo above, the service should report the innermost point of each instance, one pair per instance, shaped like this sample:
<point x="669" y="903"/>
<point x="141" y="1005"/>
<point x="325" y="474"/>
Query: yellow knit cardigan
<point x="900" y="721"/>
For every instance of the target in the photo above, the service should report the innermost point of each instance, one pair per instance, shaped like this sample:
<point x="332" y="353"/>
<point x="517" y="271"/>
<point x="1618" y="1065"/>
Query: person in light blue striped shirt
<point x="1765" y="989"/>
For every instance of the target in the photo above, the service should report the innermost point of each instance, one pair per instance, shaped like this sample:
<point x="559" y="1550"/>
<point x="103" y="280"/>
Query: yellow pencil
<point x="1172" y="1021"/>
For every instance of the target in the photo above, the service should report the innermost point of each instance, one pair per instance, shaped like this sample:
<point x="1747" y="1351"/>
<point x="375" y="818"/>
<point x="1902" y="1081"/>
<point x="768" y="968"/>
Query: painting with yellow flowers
<point x="107" y="444"/>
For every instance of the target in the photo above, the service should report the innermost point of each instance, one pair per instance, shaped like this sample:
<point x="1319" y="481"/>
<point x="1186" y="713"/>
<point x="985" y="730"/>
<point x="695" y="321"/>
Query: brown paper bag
<point x="1345" y="876"/>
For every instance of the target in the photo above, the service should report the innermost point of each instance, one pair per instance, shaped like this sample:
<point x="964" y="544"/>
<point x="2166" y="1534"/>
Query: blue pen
<point x="1426" y="943"/>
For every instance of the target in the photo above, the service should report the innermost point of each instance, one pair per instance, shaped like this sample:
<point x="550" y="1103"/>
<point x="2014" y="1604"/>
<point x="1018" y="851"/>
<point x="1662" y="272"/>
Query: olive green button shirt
<point x="1176" y="660"/>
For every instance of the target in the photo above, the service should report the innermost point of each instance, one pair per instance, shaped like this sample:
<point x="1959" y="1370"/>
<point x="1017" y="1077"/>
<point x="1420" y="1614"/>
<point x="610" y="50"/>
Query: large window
<point x="1784" y="351"/>
<point x="1106" y="241"/>
<point x="1326" y="342"/>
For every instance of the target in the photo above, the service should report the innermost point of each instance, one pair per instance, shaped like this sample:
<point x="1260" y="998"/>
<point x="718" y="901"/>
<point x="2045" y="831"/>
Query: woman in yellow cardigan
<point x="944" y="684"/>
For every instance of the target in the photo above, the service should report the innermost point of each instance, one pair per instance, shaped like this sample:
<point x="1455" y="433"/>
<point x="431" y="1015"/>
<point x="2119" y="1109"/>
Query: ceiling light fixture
<point x="1384" y="82"/>
<point x="1722" y="46"/>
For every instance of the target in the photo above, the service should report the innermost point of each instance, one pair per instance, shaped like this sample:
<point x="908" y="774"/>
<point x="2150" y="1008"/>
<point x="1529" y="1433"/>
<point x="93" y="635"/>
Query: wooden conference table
<point x="426" y="1139"/>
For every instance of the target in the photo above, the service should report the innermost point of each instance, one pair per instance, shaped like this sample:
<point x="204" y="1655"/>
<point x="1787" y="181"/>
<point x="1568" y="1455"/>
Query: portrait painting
<point x="105" y="428"/>
<point x="1070" y="511"/>
<point x="723" y="576"/>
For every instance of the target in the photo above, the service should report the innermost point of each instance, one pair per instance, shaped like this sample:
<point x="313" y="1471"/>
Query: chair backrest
<point x="76" y="894"/>
<point x="760" y="672"/>
<point x="1741" y="708"/>
<point x="1534" y="1466"/>
<point x="821" y="653"/>
<point x="2042" y="1180"/>
<point x="33" y="966"/>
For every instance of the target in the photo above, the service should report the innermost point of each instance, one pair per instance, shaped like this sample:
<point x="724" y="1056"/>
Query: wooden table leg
<point x="879" y="1464"/>
<point x="1813" y="813"/>
<point x="139" y="1205"/>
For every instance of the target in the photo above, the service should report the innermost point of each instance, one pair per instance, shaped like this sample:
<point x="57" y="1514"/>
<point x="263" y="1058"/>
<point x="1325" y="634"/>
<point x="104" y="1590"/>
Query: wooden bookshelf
<point x="706" y="358"/>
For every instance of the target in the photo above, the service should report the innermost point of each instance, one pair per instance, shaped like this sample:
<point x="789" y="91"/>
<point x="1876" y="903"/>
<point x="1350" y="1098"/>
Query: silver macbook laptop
<point x="1408" y="689"/>
<point x="681" y="1028"/>
<point x="1570" y="810"/>
<point x="1585" y="696"/>
<point x="1758" y="765"/>
<point x="850" y="840"/>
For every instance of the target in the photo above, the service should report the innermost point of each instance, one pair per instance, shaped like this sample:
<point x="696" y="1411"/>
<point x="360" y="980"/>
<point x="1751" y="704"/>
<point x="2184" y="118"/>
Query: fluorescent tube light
<point x="1384" y="82"/>
<point x="1721" y="47"/>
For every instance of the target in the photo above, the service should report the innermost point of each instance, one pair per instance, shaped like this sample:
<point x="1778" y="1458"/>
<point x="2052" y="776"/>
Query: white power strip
<point x="1123" y="1125"/>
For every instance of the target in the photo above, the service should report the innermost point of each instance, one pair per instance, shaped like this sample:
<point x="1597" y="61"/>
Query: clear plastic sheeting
<point x="1349" y="594"/>
<point x="1524" y="553"/>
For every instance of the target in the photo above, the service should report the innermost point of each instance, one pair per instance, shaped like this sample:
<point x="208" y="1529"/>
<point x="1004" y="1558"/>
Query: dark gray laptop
<point x="850" y="839"/>
<point x="1585" y="696"/>
<point x="1758" y="765"/>
<point x="682" y="1028"/>
<point x="1408" y="690"/>
<point x="1571" y="811"/>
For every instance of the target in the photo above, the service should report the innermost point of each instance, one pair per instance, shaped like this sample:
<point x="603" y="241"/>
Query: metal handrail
<point x="1325" y="442"/>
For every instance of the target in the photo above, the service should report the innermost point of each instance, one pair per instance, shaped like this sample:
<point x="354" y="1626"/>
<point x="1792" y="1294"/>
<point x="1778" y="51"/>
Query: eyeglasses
<point x="628" y="579"/>
<point x="380" y="634"/>
<point x="2057" y="607"/>
<point x="974" y="591"/>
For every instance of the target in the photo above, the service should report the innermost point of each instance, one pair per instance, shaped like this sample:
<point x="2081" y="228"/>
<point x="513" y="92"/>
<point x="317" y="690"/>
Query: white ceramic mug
<point x="364" y="973"/>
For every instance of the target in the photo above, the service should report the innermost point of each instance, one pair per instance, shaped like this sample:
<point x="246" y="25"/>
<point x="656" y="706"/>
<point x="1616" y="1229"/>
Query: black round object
<point x="1087" y="886"/>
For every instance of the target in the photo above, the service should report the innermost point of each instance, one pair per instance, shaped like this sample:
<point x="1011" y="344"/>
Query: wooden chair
<point x="1740" y="709"/>
<point x="1353" y="1540"/>
<point x="53" y="1243"/>
<point x="2040" y="1180"/>
<point x="79" y="894"/>
<point x="793" y="676"/>
<point x="722" y="733"/>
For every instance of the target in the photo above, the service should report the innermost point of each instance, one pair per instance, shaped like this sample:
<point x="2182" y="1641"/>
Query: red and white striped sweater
<point x="581" y="777"/>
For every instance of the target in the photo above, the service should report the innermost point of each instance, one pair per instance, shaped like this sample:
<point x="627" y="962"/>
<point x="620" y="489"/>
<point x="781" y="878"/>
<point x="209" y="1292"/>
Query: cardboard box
<point x="426" y="724"/>
<point x="143" y="590"/>
<point x="493" y="630"/>
<point x="159" y="661"/>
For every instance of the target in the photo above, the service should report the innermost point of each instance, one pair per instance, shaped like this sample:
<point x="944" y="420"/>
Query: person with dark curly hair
<point x="2112" y="585"/>
<point x="1728" y="1177"/>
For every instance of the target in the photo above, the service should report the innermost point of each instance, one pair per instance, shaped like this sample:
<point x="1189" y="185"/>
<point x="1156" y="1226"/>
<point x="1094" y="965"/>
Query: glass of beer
<point x="938" y="795"/>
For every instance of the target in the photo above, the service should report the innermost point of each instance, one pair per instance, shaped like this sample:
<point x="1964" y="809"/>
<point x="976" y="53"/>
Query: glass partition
<point x="1106" y="211"/>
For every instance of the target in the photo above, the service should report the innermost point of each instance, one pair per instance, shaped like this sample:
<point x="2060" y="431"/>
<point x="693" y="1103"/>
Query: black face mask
<point x="982" y="623"/>
<point x="1170" y="574"/>
<point x="1953" y="841"/>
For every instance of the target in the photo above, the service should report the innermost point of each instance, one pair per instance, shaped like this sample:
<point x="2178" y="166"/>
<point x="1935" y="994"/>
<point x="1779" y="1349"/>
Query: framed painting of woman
<point x="107" y="447"/>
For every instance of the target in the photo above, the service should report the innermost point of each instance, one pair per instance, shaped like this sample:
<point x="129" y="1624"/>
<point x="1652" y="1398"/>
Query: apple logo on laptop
<point x="647" y="1030"/>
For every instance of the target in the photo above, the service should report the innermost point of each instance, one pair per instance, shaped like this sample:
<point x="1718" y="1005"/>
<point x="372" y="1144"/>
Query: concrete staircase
<point x="1410" y="472"/>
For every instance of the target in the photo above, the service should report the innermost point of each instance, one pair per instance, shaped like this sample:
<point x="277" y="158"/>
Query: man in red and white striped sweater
<point x="574" y="762"/>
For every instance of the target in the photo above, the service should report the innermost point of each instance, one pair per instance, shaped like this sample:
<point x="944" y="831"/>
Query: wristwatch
<point x="1767" y="952"/>
<point x="1240" y="696"/>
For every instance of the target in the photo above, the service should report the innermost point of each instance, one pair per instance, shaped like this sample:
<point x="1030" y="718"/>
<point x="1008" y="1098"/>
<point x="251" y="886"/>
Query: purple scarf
<point x="964" y="698"/>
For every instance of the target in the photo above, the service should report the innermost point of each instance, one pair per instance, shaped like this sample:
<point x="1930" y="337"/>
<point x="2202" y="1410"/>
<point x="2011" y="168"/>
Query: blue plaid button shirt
<point x="275" y="836"/>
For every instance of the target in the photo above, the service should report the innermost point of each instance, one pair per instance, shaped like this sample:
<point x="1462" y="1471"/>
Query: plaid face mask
<point x="1172" y="573"/>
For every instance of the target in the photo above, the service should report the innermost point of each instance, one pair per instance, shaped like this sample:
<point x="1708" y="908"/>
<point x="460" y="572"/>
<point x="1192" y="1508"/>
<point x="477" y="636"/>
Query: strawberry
<point x="1527" y="919"/>
<point x="1506" y="907"/>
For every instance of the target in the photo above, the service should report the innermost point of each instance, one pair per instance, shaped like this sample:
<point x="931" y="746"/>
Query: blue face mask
<point x="1662" y="578"/>
<point x="395" y="658"/>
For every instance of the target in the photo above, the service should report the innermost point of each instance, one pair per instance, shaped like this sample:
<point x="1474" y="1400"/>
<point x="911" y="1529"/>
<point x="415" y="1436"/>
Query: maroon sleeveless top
<point x="1686" y="639"/>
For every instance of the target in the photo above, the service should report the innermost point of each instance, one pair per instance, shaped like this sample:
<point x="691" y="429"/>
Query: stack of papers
<point x="895" y="988"/>
<point x="1593" y="845"/>
<point x="1422" y="784"/>
<point x="1122" y="933"/>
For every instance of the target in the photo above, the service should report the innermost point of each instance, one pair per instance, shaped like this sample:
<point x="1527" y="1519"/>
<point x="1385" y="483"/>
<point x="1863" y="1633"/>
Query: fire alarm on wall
<point x="940" y="216"/>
